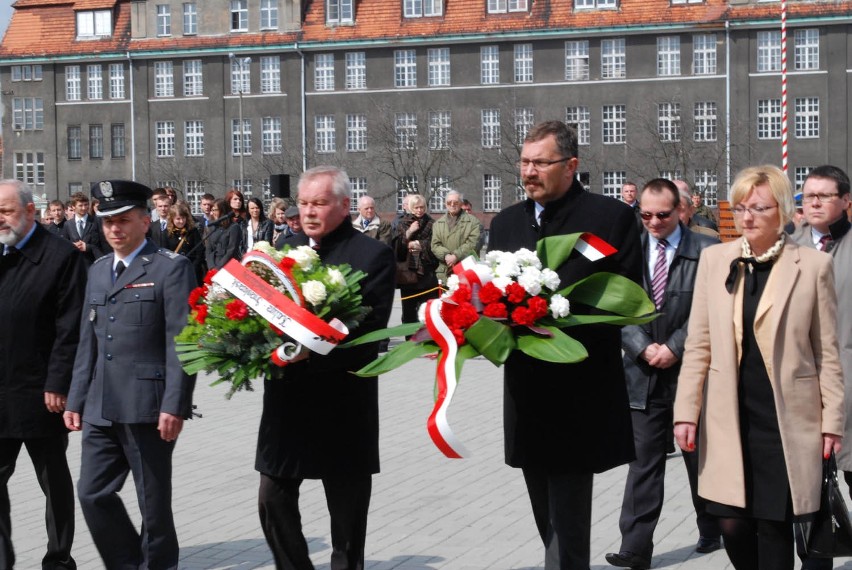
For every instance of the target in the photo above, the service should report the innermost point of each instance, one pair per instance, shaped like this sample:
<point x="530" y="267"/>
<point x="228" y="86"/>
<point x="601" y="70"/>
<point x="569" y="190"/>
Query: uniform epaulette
<point x="168" y="253"/>
<point x="101" y="258"/>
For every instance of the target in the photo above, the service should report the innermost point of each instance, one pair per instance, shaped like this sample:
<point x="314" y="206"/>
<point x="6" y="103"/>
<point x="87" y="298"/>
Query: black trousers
<point x="348" y="500"/>
<point x="54" y="478"/>
<point x="110" y="453"/>
<point x="562" y="507"/>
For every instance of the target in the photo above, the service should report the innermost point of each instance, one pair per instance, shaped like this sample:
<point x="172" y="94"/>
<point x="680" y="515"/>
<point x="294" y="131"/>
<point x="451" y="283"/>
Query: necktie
<point x="365" y="223"/>
<point x="163" y="225"/>
<point x="119" y="269"/>
<point x="661" y="274"/>
<point x="80" y="225"/>
<point x="823" y="242"/>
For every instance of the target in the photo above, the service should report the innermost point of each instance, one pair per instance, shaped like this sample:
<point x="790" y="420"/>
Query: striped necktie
<point x="661" y="274"/>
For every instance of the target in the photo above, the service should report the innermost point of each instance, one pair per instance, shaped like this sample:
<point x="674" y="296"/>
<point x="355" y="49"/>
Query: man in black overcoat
<point x="565" y="422"/>
<point x="320" y="421"/>
<point x="42" y="282"/>
<point x="652" y="356"/>
<point x="56" y="224"/>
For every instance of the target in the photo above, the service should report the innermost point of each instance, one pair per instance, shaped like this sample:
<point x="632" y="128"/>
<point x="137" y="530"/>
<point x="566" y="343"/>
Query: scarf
<point x="751" y="262"/>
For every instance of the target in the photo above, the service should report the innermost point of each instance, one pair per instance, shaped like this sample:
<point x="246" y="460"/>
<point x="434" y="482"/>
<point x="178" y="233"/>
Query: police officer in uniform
<point x="129" y="394"/>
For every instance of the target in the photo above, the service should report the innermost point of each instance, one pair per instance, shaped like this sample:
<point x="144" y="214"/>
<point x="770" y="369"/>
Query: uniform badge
<point x="92" y="315"/>
<point x="106" y="189"/>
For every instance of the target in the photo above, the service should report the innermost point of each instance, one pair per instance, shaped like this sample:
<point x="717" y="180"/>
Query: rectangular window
<point x="324" y="72"/>
<point x="356" y="70"/>
<point x="240" y="75"/>
<point x="190" y="19"/>
<point x="243" y="186"/>
<point x="338" y="11"/>
<point x="27" y="73"/>
<point x="241" y="138"/>
<point x="523" y="63"/>
<point x="193" y="138"/>
<point x="592" y="4"/>
<point x="675" y="2"/>
<point x="164" y="20"/>
<point x="491" y="185"/>
<point x="96" y="141"/>
<point x="74" y="187"/>
<point x="438" y="186"/>
<point x="705" y="180"/>
<point x="193" y="78"/>
<point x="165" y="133"/>
<point x="801" y="173"/>
<point x="524" y="120"/>
<point x="614" y="124"/>
<point x="72" y="83"/>
<point x="95" y="82"/>
<point x="580" y="119"/>
<point x="405" y="185"/>
<point x="270" y="135"/>
<point x="324" y="129"/>
<point x="29" y="167"/>
<point x="807" y="117"/>
<point x="358" y="185"/>
<point x="27" y="114"/>
<point x="193" y="192"/>
<point x="704" y="54"/>
<point x="503" y="6"/>
<point x="405" y="68"/>
<point x="613" y="59"/>
<point x="116" y="81"/>
<point x="490" y="128"/>
<point x="668" y="122"/>
<point x="577" y="60"/>
<point x="704" y="120"/>
<point x="356" y="133"/>
<point x="94" y="24"/>
<point x="117" y="145"/>
<point x="489" y="66"/>
<point x="768" y="51"/>
<point x="270" y="74"/>
<point x="405" y="129"/>
<point x="239" y="15"/>
<point x="769" y="119"/>
<point x="164" y="80"/>
<point x="268" y="14"/>
<point x="439" y="66"/>
<point x="671" y="174"/>
<point x="668" y="56"/>
<point x="421" y="8"/>
<point x="440" y="125"/>
<point x="807" y="49"/>
<point x="75" y="142"/>
<point x="612" y="183"/>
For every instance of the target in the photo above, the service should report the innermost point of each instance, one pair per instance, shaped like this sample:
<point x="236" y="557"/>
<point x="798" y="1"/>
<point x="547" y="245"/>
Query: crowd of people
<point x="743" y="368"/>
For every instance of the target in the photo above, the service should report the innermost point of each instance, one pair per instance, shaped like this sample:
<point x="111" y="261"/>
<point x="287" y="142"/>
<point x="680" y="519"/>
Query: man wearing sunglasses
<point x="652" y="357"/>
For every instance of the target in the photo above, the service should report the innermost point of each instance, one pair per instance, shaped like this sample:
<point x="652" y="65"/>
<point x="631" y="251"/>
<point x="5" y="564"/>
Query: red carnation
<point x="208" y="278"/>
<point x="236" y="310"/>
<point x="495" y="311"/>
<point x="459" y="316"/>
<point x="515" y="293"/>
<point x="522" y="316"/>
<point x="462" y="294"/>
<point x="200" y="314"/>
<point x="459" y="334"/>
<point x="490" y="293"/>
<point x="538" y="307"/>
<point x="196" y="294"/>
<point x="286" y="263"/>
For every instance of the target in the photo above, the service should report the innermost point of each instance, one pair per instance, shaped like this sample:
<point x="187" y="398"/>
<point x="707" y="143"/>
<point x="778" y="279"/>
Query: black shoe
<point x="626" y="559"/>
<point x="707" y="545"/>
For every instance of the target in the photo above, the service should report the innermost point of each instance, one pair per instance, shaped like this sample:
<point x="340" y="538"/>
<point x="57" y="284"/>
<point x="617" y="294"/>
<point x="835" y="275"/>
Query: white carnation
<point x="501" y="283"/>
<point x="530" y="279"/>
<point x="264" y="247"/>
<point x="452" y="283"/>
<point x="492" y="258"/>
<point x="314" y="292"/>
<point x="336" y="279"/>
<point x="421" y="313"/>
<point x="216" y="293"/>
<point x="507" y="266"/>
<point x="550" y="279"/>
<point x="304" y="256"/>
<point x="527" y="258"/>
<point x="559" y="306"/>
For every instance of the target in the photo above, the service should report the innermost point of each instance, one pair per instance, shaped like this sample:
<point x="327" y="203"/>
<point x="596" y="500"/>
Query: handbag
<point x="404" y="274"/>
<point x="828" y="534"/>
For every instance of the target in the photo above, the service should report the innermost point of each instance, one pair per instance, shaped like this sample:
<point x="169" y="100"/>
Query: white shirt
<point x="130" y="257"/>
<point x="673" y="241"/>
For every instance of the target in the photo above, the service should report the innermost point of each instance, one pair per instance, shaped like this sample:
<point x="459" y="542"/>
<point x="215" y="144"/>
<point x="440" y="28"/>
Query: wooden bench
<point x="727" y="229"/>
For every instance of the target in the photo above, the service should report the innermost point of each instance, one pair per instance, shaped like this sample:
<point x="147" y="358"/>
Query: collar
<point x="129" y="259"/>
<point x="78" y="219"/>
<point x="335" y="236"/>
<point x="673" y="239"/>
<point x="23" y="241"/>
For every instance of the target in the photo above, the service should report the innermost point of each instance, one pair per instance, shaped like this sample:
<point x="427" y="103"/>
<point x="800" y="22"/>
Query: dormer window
<point x="338" y="11"/>
<point x="421" y="8"/>
<point x="503" y="6"/>
<point x="94" y="24"/>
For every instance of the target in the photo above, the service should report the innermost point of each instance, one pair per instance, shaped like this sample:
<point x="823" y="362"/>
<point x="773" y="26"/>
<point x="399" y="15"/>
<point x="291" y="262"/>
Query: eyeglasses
<point x="754" y="210"/>
<point x="659" y="215"/>
<point x="824" y="198"/>
<point x="538" y="164"/>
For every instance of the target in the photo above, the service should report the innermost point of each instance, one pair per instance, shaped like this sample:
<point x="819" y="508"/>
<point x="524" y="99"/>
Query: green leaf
<point x="491" y="339"/>
<point x="399" y="330"/>
<point x="575" y="320"/>
<point x="560" y="348"/>
<point x="554" y="250"/>
<point x="612" y="293"/>
<point x="399" y="355"/>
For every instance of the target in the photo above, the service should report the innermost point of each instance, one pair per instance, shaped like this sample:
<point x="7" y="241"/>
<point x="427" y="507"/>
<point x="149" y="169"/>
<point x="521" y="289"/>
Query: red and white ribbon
<point x="437" y="425"/>
<point x="476" y="274"/>
<point x="593" y="248"/>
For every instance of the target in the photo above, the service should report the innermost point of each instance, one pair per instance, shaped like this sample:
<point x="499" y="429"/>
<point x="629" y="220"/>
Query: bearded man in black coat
<point x="320" y="421"/>
<point x="42" y="286"/>
<point x="565" y="422"/>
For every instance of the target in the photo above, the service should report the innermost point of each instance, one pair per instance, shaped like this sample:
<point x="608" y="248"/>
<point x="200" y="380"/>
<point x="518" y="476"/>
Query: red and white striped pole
<point x="784" y="85"/>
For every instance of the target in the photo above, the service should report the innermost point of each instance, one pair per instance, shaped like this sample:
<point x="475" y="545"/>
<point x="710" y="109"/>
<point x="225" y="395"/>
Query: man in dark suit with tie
<point x="652" y="357"/>
<point x="84" y="231"/>
<point x="129" y="394"/>
<point x="42" y="281"/>
<point x="159" y="227"/>
<point x="549" y="408"/>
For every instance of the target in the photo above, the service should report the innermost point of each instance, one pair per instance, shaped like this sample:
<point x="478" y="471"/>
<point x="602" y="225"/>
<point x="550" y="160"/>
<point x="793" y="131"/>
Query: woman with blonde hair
<point x="184" y="238"/>
<point x="761" y="371"/>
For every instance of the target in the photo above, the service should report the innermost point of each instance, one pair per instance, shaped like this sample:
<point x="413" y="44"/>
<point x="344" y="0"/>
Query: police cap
<point x="117" y="196"/>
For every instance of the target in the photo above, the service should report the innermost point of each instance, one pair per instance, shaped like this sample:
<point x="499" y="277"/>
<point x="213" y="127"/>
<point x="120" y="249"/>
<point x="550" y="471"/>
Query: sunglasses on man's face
<point x="659" y="215"/>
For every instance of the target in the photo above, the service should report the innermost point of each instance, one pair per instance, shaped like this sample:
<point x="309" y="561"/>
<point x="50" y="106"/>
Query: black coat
<point x="263" y="233"/>
<point x="318" y="419"/>
<point x="56" y="229"/>
<point x="41" y="297"/>
<point x="93" y="236"/>
<point x="223" y="244"/>
<point x="571" y="417"/>
<point x="189" y="248"/>
<point x="669" y="328"/>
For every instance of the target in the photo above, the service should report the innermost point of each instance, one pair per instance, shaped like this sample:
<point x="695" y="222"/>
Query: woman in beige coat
<point x="761" y="370"/>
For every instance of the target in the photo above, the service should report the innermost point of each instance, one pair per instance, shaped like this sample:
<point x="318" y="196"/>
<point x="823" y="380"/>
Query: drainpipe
<point x="304" y="108"/>
<point x="132" y="121"/>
